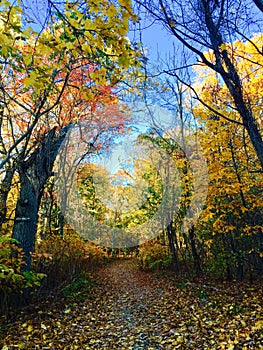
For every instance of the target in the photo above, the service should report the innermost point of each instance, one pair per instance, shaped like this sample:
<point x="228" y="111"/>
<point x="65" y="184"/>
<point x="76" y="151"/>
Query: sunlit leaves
<point x="99" y="37"/>
<point x="77" y="58"/>
<point x="234" y="203"/>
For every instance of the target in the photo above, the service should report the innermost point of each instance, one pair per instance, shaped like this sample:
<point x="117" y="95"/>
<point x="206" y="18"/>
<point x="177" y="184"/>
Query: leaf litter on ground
<point x="130" y="309"/>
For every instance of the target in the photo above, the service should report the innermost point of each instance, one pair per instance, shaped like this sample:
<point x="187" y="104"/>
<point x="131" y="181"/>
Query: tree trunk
<point x="26" y="216"/>
<point x="61" y="224"/>
<point x="34" y="173"/>
<point x="4" y="190"/>
<point x="197" y="264"/>
<point x="170" y="234"/>
<point x="233" y="81"/>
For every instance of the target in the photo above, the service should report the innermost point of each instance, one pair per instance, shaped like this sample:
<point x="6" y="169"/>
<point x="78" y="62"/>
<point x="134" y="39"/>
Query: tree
<point x="125" y="200"/>
<point x="211" y="25"/>
<point x="51" y="78"/>
<point x="175" y="131"/>
<point x="232" y="217"/>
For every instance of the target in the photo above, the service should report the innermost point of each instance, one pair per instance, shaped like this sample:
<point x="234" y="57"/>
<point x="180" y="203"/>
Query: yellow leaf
<point x="223" y="47"/>
<point x="259" y="324"/>
<point x="243" y="209"/>
<point x="30" y="328"/>
<point x="30" y="80"/>
<point x="86" y="48"/>
<point x="89" y="25"/>
<point x="27" y="59"/>
<point x="125" y="3"/>
<point x="112" y="11"/>
<point x="70" y="46"/>
<point x="28" y="32"/>
<point x="243" y="323"/>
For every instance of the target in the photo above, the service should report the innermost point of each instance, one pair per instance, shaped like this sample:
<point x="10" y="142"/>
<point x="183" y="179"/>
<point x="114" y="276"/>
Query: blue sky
<point x="157" y="42"/>
<point x="124" y="148"/>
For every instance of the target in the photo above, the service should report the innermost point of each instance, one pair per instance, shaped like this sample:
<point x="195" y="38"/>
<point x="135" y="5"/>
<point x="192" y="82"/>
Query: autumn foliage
<point x="65" y="81"/>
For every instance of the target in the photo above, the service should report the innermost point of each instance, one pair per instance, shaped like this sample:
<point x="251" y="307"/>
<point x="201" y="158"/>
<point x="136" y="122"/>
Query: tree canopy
<point x="183" y="194"/>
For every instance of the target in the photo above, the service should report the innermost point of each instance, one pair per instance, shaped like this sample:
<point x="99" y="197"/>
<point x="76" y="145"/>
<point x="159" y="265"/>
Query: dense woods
<point x="78" y="83"/>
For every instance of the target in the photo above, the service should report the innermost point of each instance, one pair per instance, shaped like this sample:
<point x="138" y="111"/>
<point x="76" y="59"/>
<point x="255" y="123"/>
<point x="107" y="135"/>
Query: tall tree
<point x="212" y="24"/>
<point x="234" y="201"/>
<point x="50" y="78"/>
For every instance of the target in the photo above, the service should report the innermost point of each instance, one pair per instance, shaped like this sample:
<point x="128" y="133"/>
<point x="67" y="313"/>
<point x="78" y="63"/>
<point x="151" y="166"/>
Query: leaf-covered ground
<point x="130" y="309"/>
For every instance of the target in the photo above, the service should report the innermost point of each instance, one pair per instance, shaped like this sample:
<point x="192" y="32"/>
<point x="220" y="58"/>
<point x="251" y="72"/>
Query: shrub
<point x="77" y="289"/>
<point x="153" y="256"/>
<point x="13" y="280"/>
<point x="63" y="258"/>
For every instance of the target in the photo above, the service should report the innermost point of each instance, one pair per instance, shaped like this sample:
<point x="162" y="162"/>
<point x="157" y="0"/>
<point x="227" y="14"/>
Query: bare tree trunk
<point x="26" y="215"/>
<point x="34" y="172"/>
<point x="197" y="264"/>
<point x="170" y="235"/>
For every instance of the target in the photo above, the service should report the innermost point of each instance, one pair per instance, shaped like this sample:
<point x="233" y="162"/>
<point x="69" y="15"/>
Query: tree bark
<point x="4" y="190"/>
<point x="170" y="235"/>
<point x="197" y="264"/>
<point x="26" y="215"/>
<point x="34" y="173"/>
<point x="232" y="80"/>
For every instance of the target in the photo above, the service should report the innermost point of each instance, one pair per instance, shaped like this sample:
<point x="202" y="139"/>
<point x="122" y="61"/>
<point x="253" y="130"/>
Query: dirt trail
<point x="127" y="309"/>
<point x="133" y="314"/>
<point x="123" y="310"/>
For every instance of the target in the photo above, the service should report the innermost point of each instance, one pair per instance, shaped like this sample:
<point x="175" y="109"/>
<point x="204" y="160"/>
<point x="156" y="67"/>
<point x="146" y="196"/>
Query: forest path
<point x="129" y="309"/>
<point x="136" y="318"/>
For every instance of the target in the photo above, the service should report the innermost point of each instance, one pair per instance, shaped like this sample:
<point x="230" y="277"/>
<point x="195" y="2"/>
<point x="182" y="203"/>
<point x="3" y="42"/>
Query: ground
<point x="126" y="308"/>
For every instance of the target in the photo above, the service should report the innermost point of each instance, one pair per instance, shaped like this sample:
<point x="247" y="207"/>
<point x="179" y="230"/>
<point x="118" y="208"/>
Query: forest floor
<point x="126" y="308"/>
